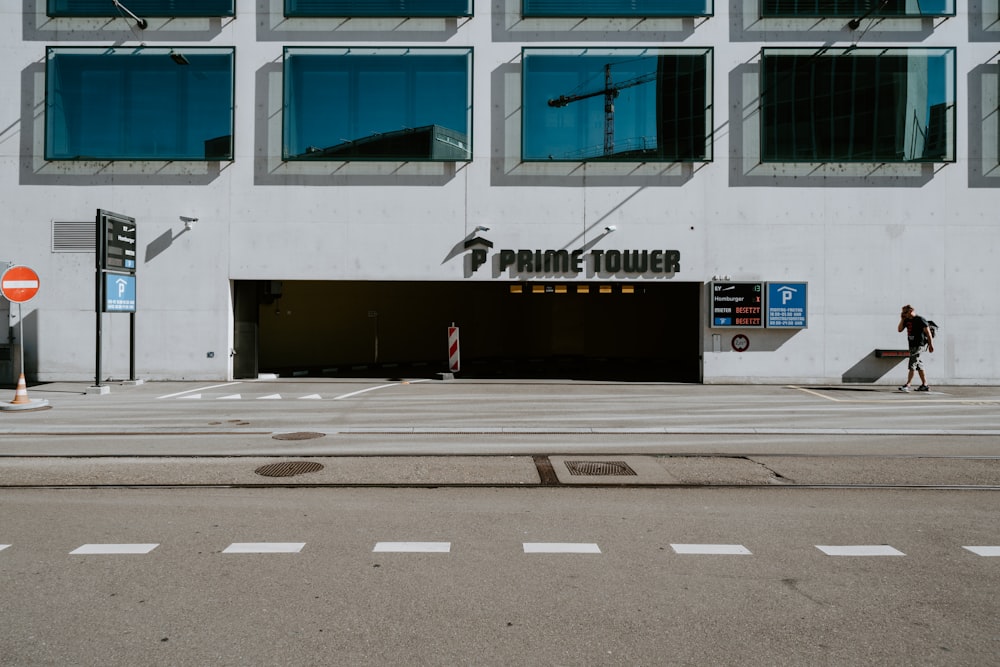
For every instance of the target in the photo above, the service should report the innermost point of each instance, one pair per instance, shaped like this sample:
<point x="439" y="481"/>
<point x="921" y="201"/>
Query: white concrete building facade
<point x="321" y="261"/>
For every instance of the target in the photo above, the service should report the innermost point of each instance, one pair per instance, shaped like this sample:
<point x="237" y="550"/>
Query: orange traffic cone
<point x="21" y="394"/>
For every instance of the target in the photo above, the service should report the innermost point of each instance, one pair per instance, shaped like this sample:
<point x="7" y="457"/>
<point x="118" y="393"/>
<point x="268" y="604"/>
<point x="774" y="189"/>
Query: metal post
<point x="131" y="350"/>
<point x="99" y="290"/>
<point x="20" y="325"/>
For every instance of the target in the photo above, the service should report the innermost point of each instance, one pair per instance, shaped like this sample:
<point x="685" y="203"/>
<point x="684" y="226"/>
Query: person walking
<point x="920" y="337"/>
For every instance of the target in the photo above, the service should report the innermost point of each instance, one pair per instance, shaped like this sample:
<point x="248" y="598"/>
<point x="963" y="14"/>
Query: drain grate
<point x="599" y="468"/>
<point x="298" y="435"/>
<point x="288" y="468"/>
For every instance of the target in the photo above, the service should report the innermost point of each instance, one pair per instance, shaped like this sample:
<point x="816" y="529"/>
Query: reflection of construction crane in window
<point x="610" y="92"/>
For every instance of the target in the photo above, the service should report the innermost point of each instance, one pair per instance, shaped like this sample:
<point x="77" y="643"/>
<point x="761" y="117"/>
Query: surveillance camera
<point x="610" y="228"/>
<point x="482" y="228"/>
<point x="185" y="218"/>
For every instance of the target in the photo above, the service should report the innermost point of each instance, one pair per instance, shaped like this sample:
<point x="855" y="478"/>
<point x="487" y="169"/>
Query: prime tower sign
<point x="594" y="262"/>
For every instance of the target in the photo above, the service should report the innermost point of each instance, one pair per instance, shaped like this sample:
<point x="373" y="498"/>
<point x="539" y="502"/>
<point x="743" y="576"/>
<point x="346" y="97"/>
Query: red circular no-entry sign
<point x="19" y="284"/>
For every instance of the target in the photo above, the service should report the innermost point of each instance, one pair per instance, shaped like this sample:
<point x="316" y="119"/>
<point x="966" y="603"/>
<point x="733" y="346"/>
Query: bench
<point x="888" y="354"/>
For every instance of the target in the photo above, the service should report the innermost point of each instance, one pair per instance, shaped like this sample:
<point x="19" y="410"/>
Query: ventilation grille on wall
<point x="73" y="236"/>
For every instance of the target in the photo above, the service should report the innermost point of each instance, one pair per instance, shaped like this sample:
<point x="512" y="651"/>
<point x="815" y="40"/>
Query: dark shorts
<point x="915" y="363"/>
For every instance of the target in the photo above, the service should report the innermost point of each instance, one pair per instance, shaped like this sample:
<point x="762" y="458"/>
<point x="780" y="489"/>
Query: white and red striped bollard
<point x="454" y="358"/>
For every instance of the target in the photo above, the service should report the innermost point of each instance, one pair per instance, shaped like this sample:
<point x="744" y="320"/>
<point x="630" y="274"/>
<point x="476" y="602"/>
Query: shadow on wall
<point x="872" y="367"/>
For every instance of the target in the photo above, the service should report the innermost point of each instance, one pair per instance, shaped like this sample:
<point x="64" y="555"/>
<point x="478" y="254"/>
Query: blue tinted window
<point x="378" y="7"/>
<point x="377" y="104"/>
<point x="552" y="8"/>
<point x="142" y="8"/>
<point x="865" y="104"/>
<point x="856" y="8"/>
<point x="616" y="104"/>
<point x="139" y="104"/>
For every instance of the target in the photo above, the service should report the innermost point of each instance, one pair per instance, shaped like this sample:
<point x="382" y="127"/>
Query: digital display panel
<point x="737" y="305"/>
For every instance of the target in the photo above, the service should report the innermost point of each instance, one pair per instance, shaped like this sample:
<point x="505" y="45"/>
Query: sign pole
<point x="20" y="334"/>
<point x="98" y="302"/>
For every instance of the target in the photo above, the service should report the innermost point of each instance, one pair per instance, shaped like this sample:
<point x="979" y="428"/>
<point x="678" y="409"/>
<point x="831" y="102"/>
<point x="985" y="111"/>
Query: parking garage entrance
<point x="642" y="331"/>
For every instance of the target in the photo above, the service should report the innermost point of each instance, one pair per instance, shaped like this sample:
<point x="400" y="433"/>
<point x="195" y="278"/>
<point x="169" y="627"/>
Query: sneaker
<point x="905" y="387"/>
<point x="923" y="387"/>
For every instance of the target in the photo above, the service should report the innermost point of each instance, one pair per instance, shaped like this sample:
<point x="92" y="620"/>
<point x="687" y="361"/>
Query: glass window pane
<point x="632" y="105"/>
<point x="377" y="104"/>
<point x="425" y="8"/>
<point x="870" y="105"/>
<point x="856" y="8"/>
<point x="142" y="8"/>
<point x="611" y="8"/>
<point x="146" y="104"/>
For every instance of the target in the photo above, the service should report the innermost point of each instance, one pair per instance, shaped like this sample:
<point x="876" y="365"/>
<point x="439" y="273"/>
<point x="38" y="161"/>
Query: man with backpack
<point x="919" y="336"/>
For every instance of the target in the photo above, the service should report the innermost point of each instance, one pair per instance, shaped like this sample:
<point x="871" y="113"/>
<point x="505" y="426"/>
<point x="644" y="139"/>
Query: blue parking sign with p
<point x="119" y="293"/>
<point x="786" y="305"/>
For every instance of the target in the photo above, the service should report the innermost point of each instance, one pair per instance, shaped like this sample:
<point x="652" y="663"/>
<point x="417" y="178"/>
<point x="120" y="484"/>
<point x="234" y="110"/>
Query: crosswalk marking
<point x="264" y="548"/>
<point x="711" y="549"/>
<point x="413" y="547"/>
<point x="528" y="547"/>
<point x="105" y="549"/>
<point x="860" y="550"/>
<point x="984" y="551"/>
<point x="560" y="548"/>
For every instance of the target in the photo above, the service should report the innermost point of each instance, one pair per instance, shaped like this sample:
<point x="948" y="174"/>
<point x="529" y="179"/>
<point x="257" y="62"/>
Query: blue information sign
<point x="786" y="305"/>
<point x="119" y="293"/>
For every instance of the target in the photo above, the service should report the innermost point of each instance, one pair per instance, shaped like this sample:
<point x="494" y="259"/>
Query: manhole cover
<point x="301" y="435"/>
<point x="599" y="468"/>
<point x="288" y="468"/>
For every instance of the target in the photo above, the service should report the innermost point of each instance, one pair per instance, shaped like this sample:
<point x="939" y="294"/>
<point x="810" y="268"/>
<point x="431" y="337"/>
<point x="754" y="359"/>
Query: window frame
<point x="111" y="11"/>
<point x="362" y="13"/>
<point x="644" y="13"/>
<point x="388" y="52"/>
<point x="949" y="89"/>
<point x="851" y="13"/>
<point x="133" y="52"/>
<point x="581" y="156"/>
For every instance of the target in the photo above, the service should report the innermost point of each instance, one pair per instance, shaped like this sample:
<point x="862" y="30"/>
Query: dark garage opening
<point x="599" y="331"/>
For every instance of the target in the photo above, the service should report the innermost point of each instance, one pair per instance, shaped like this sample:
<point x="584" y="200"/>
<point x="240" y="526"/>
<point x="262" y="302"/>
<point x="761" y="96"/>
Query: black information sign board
<point x="737" y="305"/>
<point x="116" y="235"/>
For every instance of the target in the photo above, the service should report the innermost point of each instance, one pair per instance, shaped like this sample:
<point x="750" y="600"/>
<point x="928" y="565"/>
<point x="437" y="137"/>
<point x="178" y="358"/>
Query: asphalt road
<point x="446" y="523"/>
<point x="557" y="576"/>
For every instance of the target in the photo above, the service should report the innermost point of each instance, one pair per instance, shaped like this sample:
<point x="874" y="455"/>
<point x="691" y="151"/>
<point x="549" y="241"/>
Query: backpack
<point x="933" y="327"/>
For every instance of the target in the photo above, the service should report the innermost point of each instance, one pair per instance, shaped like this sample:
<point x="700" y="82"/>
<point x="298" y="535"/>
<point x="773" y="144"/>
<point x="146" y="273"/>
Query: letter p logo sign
<point x="787" y="294"/>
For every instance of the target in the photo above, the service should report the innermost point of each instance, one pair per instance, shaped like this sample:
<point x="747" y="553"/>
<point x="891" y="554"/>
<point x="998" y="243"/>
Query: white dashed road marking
<point x="3" y="546"/>
<point x="413" y="547"/>
<point x="105" y="549"/>
<point x="264" y="548"/>
<point x="711" y="549"/>
<point x="984" y="551"/>
<point x="861" y="550"/>
<point x="561" y="548"/>
<point x="180" y="394"/>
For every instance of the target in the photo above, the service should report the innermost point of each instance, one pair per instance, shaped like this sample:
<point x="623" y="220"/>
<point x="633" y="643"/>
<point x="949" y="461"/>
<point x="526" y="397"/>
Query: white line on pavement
<point x="264" y="548"/>
<point x="711" y="549"/>
<point x="413" y="547"/>
<point x="984" y="551"/>
<point x="104" y="549"/>
<point x="861" y="550"/>
<point x="561" y="548"/>
<point x="188" y="391"/>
